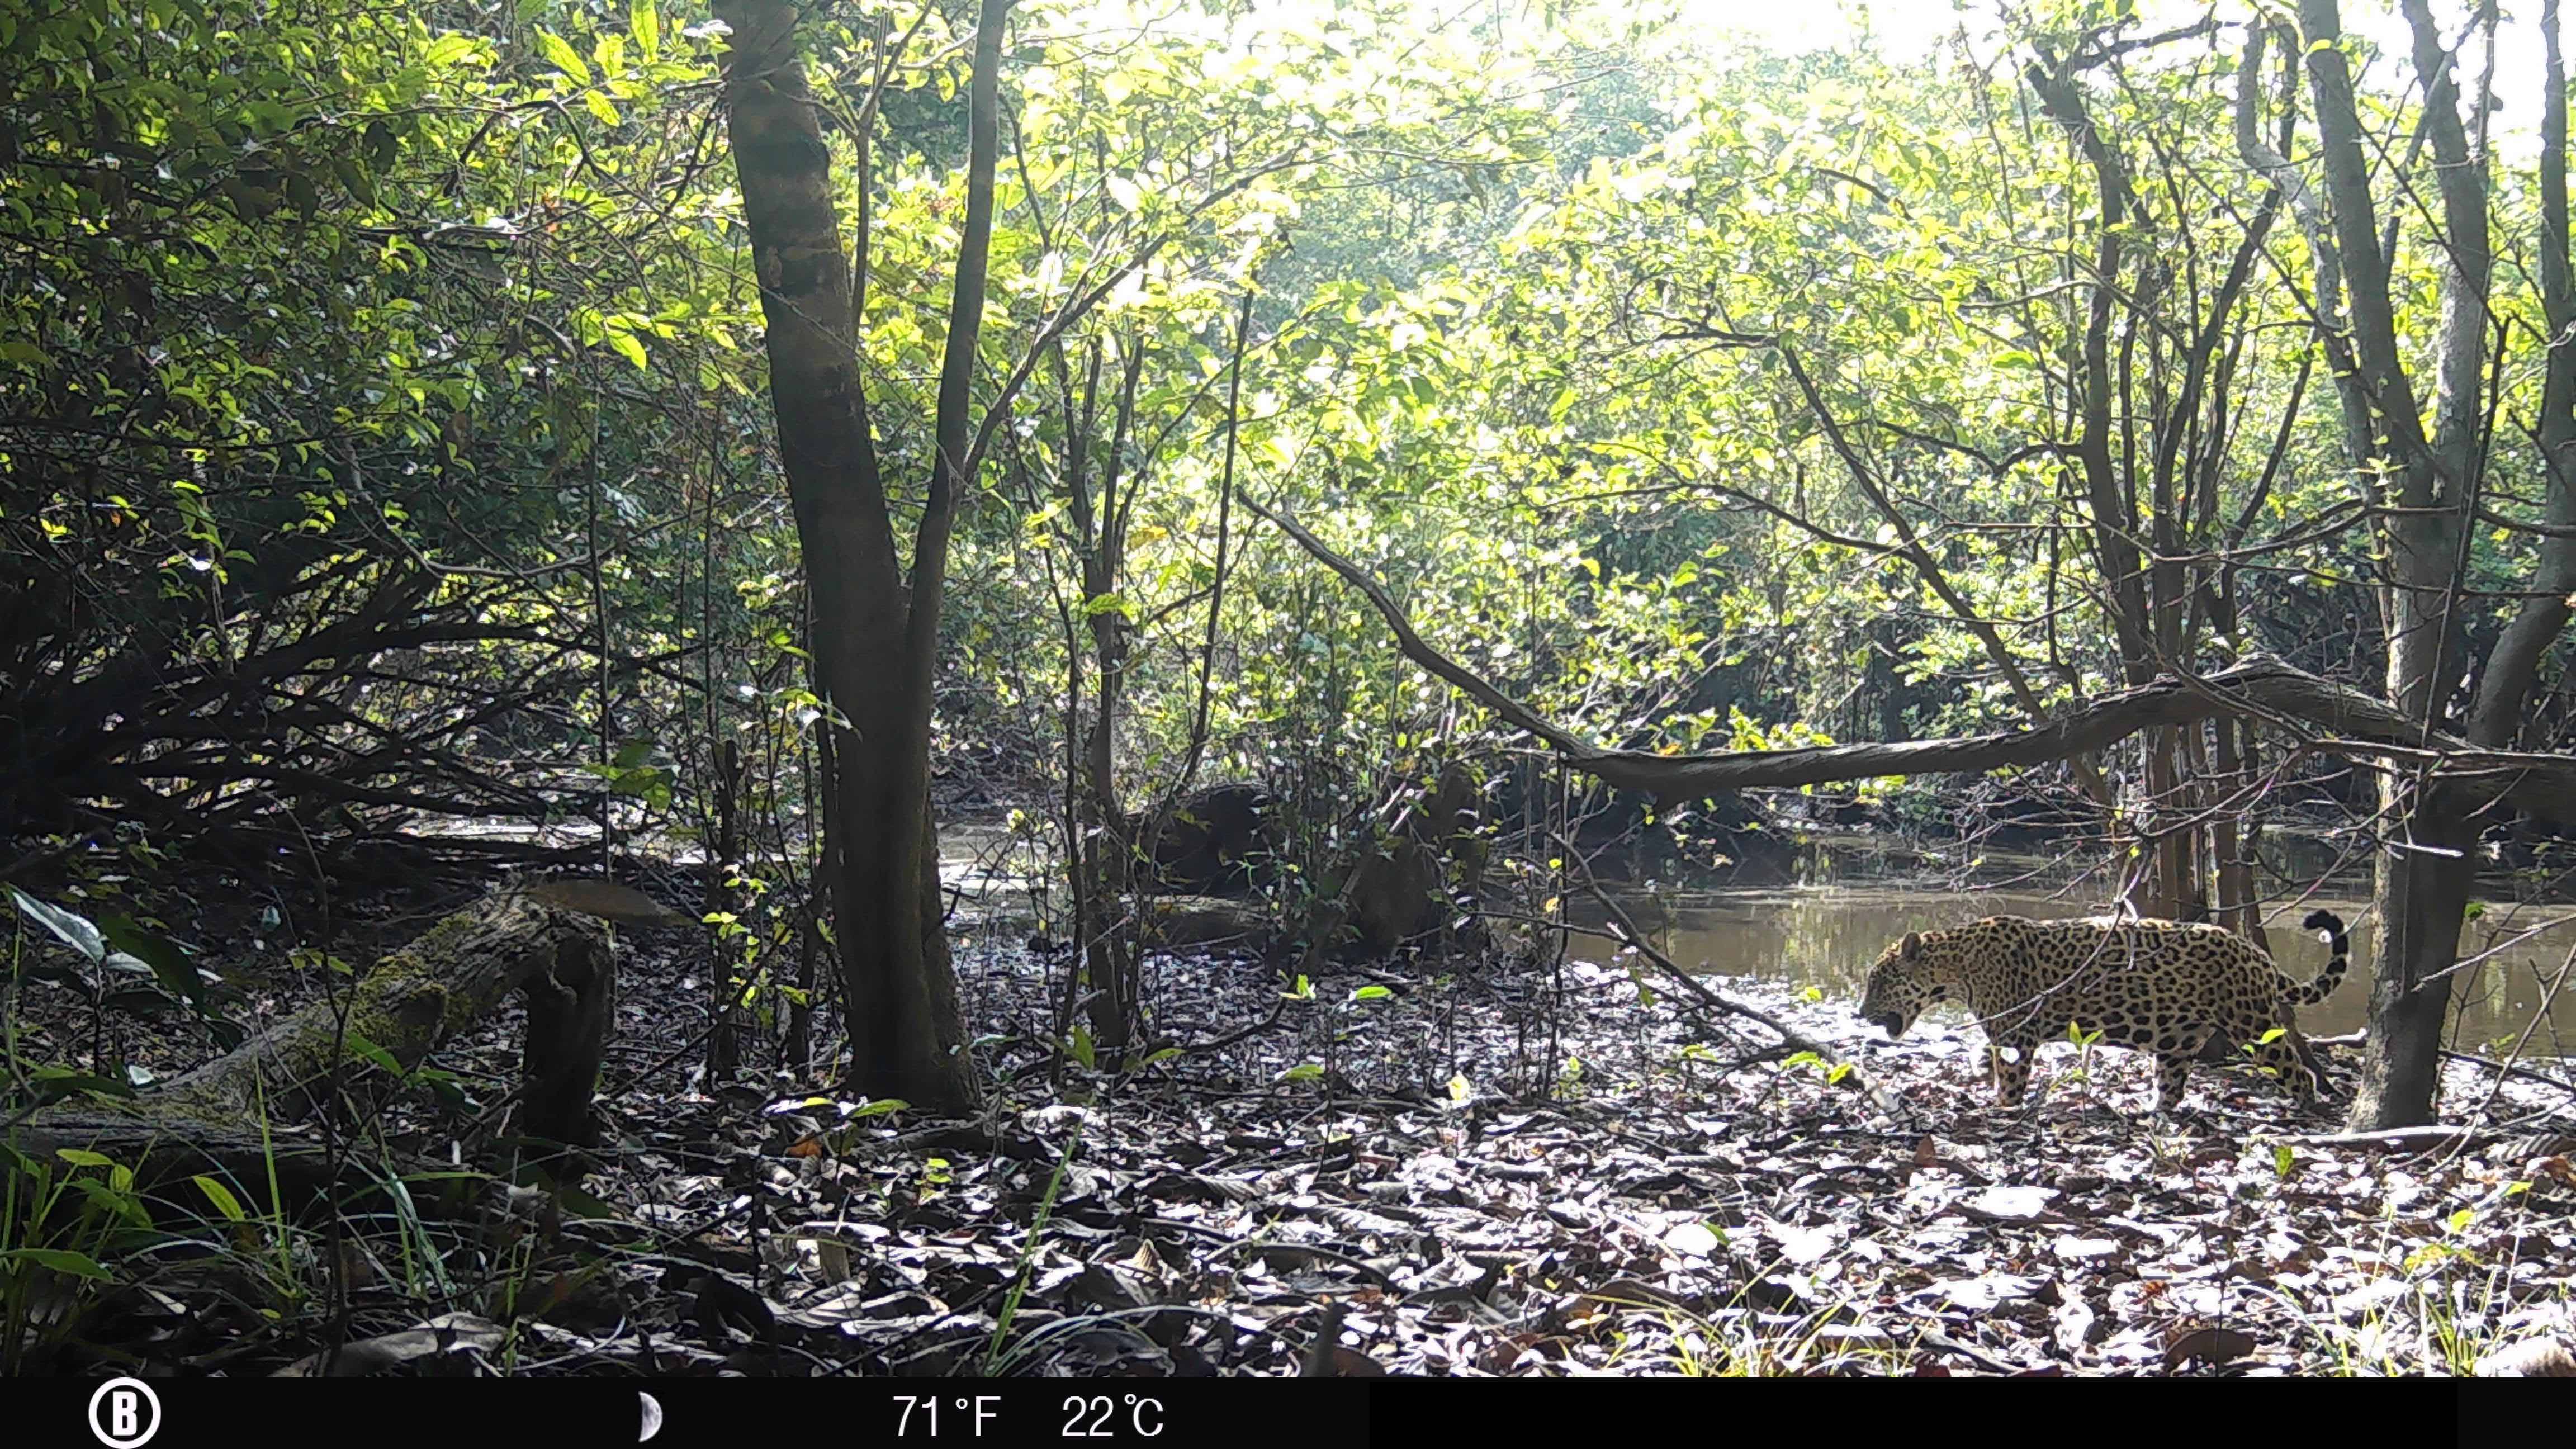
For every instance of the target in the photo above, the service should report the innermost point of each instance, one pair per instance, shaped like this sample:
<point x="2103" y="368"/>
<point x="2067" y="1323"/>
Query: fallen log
<point x="235" y="1116"/>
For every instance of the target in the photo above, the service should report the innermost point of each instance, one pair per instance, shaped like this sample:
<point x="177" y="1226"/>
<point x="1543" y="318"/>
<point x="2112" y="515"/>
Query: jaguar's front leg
<point x="2011" y="1071"/>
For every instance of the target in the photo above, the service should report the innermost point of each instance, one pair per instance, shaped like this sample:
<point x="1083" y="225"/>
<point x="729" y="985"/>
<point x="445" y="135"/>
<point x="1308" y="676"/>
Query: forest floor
<point x="1489" y="1169"/>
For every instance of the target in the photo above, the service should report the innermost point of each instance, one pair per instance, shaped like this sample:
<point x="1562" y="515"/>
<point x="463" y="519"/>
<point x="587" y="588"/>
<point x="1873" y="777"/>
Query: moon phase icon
<point x="652" y="1416"/>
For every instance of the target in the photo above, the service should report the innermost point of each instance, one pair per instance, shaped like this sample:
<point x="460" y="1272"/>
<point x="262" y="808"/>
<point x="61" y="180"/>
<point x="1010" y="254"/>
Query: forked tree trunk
<point x="875" y="632"/>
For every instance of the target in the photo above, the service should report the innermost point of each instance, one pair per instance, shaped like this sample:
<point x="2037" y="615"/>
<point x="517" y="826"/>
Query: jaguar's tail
<point x="2336" y="941"/>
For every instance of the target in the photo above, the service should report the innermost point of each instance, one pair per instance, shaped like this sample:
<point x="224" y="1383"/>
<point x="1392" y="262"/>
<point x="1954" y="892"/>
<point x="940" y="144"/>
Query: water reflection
<point x="1827" y="936"/>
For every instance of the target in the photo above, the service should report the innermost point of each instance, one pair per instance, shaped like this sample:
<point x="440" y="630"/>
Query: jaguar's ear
<point x="1910" y="947"/>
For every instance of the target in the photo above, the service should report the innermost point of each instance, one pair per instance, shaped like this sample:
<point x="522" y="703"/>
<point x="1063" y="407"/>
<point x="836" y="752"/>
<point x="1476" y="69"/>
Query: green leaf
<point x="369" y="1051"/>
<point x="114" y="1198"/>
<point x="645" y="24"/>
<point x="448" y="50"/>
<point x="566" y="59"/>
<point x="1124" y="190"/>
<point x="1305" y="1072"/>
<point x="75" y="931"/>
<point x="57" y="1082"/>
<point x="625" y="343"/>
<point x="177" y="974"/>
<point x="83" y="1157"/>
<point x="1372" y="993"/>
<point x="880" y="1108"/>
<point x="222" y="1197"/>
<point x="79" y="1265"/>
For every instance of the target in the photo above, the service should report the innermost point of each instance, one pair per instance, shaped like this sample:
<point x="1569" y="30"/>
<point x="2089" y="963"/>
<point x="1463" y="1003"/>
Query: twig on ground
<point x="1796" y="1040"/>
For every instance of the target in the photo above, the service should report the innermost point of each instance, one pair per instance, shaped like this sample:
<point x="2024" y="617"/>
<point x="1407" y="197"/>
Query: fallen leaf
<point x="448" y="1333"/>
<point x="1977" y="1295"/>
<point x="2010" y="1202"/>
<point x="1631" y="1293"/>
<point x="1805" y="1245"/>
<point x="2074" y="1324"/>
<point x="2212" y="1346"/>
<point x="2377" y="1293"/>
<point x="1692" y="1240"/>
<point x="2533" y="1358"/>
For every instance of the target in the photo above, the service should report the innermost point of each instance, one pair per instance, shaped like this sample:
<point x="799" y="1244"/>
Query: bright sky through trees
<point x="1915" y="27"/>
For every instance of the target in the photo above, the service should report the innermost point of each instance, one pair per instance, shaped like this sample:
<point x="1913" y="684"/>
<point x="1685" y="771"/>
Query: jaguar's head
<point x="1901" y="985"/>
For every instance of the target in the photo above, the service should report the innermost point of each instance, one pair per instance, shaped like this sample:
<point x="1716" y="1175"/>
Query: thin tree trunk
<point x="2514" y="663"/>
<point x="724" y="992"/>
<point x="1111" y="947"/>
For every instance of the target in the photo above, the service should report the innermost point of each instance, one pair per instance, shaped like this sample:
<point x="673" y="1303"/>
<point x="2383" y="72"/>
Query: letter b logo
<point x="124" y="1414"/>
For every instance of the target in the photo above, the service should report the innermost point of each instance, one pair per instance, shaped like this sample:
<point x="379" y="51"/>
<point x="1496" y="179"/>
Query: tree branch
<point x="2347" y="722"/>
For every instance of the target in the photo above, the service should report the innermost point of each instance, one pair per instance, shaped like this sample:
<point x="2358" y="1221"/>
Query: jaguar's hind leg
<point x="2173" y="1073"/>
<point x="2281" y="1054"/>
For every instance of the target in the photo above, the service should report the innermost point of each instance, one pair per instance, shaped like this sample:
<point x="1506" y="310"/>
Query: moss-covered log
<point x="408" y="1004"/>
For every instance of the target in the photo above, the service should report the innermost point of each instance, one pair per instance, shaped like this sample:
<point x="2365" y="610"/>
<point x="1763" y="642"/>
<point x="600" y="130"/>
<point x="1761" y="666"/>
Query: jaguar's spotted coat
<point x="2157" y="986"/>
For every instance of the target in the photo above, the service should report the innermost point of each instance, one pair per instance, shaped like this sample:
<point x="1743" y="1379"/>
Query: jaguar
<point x="2166" y="987"/>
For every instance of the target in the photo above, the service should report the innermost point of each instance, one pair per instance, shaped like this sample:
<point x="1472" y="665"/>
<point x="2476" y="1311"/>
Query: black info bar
<point x="171" y="1413"/>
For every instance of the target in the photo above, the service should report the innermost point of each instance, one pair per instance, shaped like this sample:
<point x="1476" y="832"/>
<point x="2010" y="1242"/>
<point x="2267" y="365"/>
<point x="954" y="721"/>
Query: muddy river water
<point x="1827" y="936"/>
<point x="1820" y="920"/>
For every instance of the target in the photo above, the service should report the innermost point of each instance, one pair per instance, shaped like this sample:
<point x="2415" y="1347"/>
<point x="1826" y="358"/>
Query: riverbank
<point x="1586" y="1190"/>
<point x="1493" y="1167"/>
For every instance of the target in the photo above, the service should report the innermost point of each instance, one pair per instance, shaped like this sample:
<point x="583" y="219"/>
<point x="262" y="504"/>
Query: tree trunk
<point x="2232" y="837"/>
<point x="1111" y="945"/>
<point x="874" y="633"/>
<point x="2428" y="479"/>
<point x="2514" y="663"/>
<point x="724" y="992"/>
<point x="2421" y="897"/>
